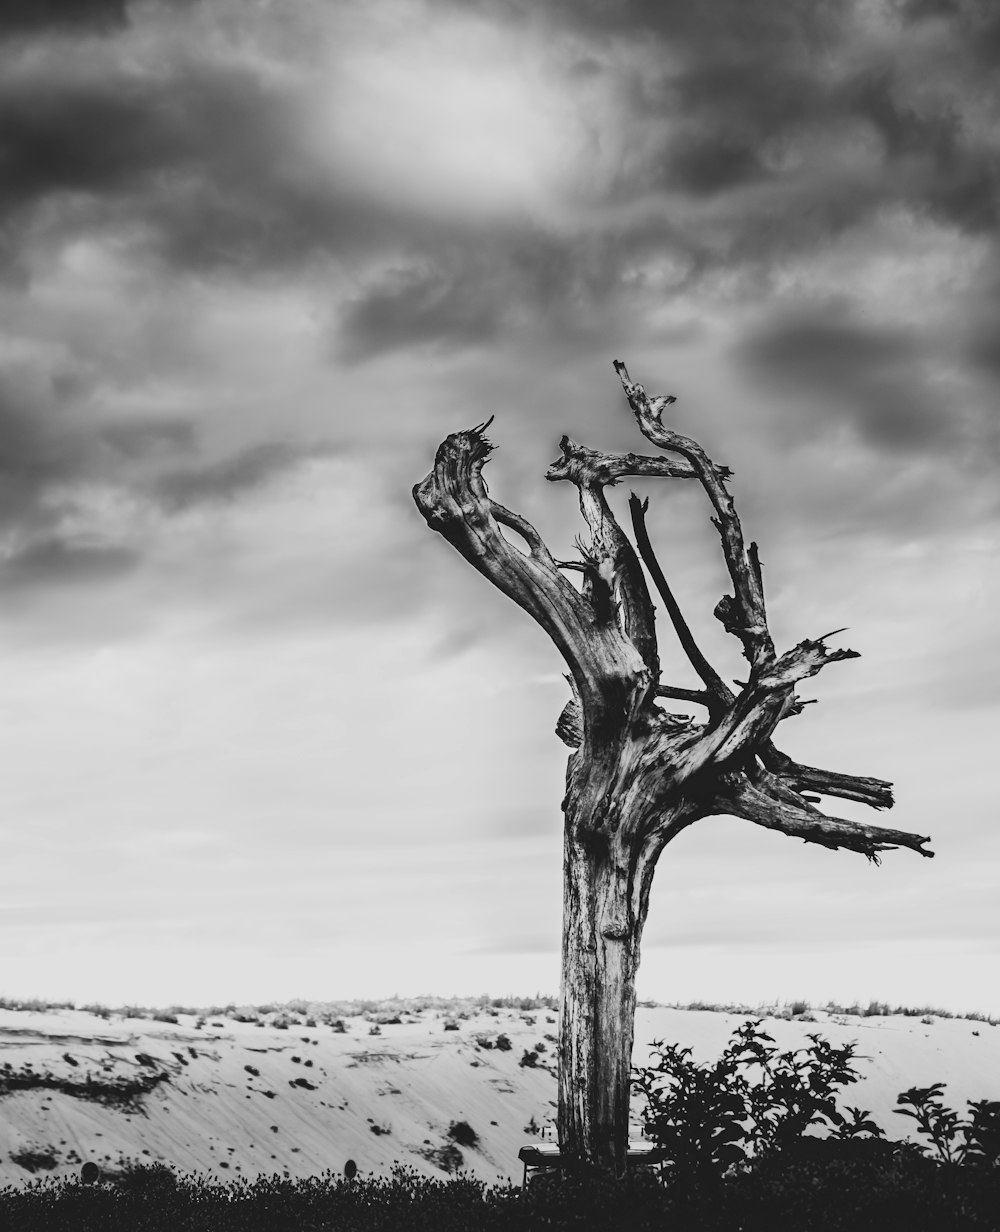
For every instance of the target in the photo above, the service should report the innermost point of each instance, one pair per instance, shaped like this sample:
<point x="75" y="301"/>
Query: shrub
<point x="149" y="1181"/>
<point x="463" y="1133"/>
<point x="844" y="1189"/>
<point x="529" y="1060"/>
<point x="447" y="1157"/>
<point x="710" y="1117"/>
<point x="34" y="1161"/>
<point x="973" y="1141"/>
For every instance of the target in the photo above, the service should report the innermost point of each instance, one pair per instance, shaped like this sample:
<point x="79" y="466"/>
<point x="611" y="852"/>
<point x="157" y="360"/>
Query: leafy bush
<point x="502" y="1044"/>
<point x="708" y="1118"/>
<point x="973" y="1141"/>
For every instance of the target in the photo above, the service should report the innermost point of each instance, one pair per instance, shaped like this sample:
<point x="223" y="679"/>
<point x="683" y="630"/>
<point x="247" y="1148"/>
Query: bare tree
<point x="640" y="774"/>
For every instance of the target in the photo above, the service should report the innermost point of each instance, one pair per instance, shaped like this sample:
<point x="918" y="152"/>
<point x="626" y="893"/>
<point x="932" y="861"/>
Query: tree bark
<point x="598" y="1008"/>
<point x="638" y="773"/>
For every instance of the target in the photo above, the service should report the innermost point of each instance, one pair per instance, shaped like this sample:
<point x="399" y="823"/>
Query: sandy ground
<point x="240" y="1099"/>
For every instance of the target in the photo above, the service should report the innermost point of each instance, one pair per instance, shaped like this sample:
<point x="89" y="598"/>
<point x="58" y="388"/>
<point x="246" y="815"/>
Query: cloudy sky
<point x="264" y="734"/>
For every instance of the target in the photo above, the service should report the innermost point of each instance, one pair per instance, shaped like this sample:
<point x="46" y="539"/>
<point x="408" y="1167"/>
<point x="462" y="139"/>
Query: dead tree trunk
<point x="639" y="773"/>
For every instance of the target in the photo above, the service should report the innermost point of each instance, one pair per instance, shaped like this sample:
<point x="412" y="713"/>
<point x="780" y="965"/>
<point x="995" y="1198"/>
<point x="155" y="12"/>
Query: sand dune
<point x="241" y="1098"/>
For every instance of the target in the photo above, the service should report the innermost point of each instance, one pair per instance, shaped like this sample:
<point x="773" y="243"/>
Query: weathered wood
<point x="639" y="774"/>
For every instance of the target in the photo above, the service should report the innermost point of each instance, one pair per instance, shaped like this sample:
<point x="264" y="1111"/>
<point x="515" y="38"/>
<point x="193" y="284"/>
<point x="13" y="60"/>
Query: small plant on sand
<point x="34" y="1161"/>
<point x="972" y="1141"/>
<point x="447" y="1157"/>
<point x="463" y="1133"/>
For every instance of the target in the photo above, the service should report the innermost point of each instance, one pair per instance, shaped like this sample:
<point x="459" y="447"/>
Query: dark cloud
<point x="51" y="454"/>
<point x="139" y="438"/>
<point x="200" y="154"/>
<point x="468" y="290"/>
<point x="725" y="22"/>
<point x="47" y="444"/>
<point x="410" y="307"/>
<point x="849" y="373"/>
<point x="921" y="10"/>
<point x="229" y="478"/>
<point x="953" y="175"/>
<point x="37" y="449"/>
<point x="708" y="166"/>
<point x="61" y="561"/>
<point x="23" y="16"/>
<point x="99" y="132"/>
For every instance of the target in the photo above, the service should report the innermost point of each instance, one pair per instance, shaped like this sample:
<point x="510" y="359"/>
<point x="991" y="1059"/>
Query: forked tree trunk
<point x="639" y="773"/>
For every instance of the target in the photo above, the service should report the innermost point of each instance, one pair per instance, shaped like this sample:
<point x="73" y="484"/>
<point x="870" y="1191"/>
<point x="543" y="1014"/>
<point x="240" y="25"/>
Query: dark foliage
<point x="973" y="1141"/>
<point x="752" y="1102"/>
<point x="34" y="1161"/>
<point x="830" y="1186"/>
<point x="463" y="1133"/>
<point x="123" y="1092"/>
<point x="756" y="1102"/>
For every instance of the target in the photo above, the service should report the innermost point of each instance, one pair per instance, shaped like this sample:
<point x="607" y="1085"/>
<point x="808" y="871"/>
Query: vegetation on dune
<point x="756" y="1102"/>
<point x="388" y="1009"/>
<point x="740" y="1152"/>
<point x="824" y="1192"/>
<point x="121" y="1091"/>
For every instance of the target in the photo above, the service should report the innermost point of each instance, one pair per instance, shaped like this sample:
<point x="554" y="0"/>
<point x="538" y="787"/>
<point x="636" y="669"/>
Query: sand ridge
<point x="298" y="1094"/>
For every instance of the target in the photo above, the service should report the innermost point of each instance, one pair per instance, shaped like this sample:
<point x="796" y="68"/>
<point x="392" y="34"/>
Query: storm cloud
<point x="256" y="261"/>
<point x="872" y="377"/>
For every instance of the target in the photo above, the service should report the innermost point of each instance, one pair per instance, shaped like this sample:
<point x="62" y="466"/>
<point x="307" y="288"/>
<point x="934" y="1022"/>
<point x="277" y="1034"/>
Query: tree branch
<point x="593" y="466"/>
<point x="454" y="501"/>
<point x="701" y="697"/>
<point x="771" y="803"/>
<point x="877" y="793"/>
<point x="613" y="568"/>
<point x="743" y="613"/>
<point x="748" y="723"/>
<point x="719" y="695"/>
